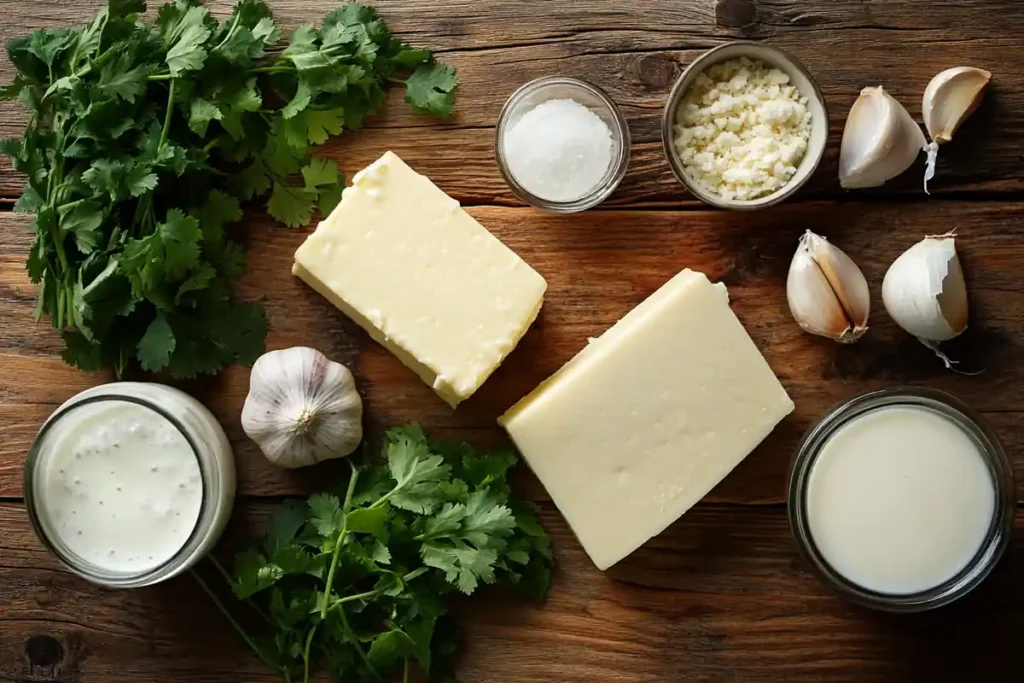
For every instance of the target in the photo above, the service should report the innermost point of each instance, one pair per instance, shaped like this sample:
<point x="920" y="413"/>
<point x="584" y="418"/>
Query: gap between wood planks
<point x="7" y="203"/>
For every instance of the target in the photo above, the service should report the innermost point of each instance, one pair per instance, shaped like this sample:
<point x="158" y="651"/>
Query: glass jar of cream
<point x="903" y="500"/>
<point x="129" y="484"/>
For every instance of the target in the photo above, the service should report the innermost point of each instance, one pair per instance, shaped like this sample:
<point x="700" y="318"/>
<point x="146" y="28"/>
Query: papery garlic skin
<point x="924" y="291"/>
<point x="950" y="98"/>
<point x="880" y="140"/>
<point x="302" y="408"/>
<point x="828" y="294"/>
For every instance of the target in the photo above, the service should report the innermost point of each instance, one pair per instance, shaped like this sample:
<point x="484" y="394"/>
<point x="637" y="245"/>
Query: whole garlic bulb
<point x="302" y="408"/>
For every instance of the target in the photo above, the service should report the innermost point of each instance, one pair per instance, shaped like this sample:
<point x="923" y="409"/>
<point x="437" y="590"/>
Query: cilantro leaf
<point x="120" y="178"/>
<point x="372" y="521"/>
<point x="291" y="205"/>
<point x="325" y="514"/>
<point x="254" y="574"/>
<point x="82" y="353"/>
<point x="284" y="525"/>
<point x="320" y="172"/>
<point x="185" y="33"/>
<point x="463" y="565"/>
<point x="253" y="181"/>
<point x="201" y="113"/>
<point x="120" y="79"/>
<point x="330" y="197"/>
<point x="164" y="256"/>
<point x="84" y="220"/>
<point x="321" y="124"/>
<point x="431" y="89"/>
<point x="157" y="344"/>
<point x="416" y="472"/>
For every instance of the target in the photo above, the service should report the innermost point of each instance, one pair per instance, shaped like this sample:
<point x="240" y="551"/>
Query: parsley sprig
<point x="144" y="140"/>
<point x="357" y="583"/>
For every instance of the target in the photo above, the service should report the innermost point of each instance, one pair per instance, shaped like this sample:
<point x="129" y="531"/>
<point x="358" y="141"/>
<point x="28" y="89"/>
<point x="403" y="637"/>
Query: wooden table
<point x="722" y="595"/>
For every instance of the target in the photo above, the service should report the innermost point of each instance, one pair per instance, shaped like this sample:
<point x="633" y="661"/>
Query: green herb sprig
<point x="357" y="582"/>
<point x="146" y="137"/>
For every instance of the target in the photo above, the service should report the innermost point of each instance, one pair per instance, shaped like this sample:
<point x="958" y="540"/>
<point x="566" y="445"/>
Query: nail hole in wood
<point x="44" y="651"/>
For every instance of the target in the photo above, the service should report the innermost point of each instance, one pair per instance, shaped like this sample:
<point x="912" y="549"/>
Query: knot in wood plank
<point x="738" y="14"/>
<point x="44" y="651"/>
<point x="657" y="72"/>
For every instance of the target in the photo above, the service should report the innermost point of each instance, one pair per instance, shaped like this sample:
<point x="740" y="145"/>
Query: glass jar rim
<point x="997" y="536"/>
<point x="90" y="571"/>
<point x="619" y="164"/>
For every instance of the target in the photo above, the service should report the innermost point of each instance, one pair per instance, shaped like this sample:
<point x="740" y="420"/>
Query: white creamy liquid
<point x="899" y="500"/>
<point x="122" y="487"/>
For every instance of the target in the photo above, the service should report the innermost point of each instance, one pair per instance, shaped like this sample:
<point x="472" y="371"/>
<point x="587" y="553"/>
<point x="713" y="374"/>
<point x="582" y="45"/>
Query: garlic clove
<point x="869" y="134"/>
<point x="925" y="293"/>
<point x="827" y="293"/>
<point x="949" y="99"/>
<point x="880" y="140"/>
<point x="302" y="408"/>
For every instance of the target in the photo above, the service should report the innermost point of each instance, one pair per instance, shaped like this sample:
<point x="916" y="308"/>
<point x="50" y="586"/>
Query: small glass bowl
<point x="996" y="539"/>
<point x="208" y="443"/>
<point x="563" y="87"/>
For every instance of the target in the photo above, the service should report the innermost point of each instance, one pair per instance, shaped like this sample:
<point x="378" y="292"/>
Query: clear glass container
<point x="176" y="413"/>
<point x="999" y="530"/>
<point x="563" y="87"/>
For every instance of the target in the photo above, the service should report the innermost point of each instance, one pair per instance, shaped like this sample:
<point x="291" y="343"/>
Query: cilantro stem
<point x="392" y="79"/>
<point x="405" y="673"/>
<point x="167" y="116"/>
<point x="160" y="77"/>
<point x="357" y="596"/>
<point x="238" y="628"/>
<point x="230" y="33"/>
<point x="272" y="70"/>
<point x="329" y="585"/>
<point x="305" y="654"/>
<point x="350" y="491"/>
<point x="357" y="645"/>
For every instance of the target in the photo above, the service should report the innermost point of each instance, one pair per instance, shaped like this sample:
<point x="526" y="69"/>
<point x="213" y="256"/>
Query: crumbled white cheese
<point x="742" y="129"/>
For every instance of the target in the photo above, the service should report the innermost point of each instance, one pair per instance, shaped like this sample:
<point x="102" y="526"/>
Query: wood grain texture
<point x="635" y="51"/>
<point x="600" y="265"/>
<point x="721" y="596"/>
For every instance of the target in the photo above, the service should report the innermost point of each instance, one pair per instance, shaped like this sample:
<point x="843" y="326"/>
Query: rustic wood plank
<point x="721" y="596"/>
<point x="598" y="266"/>
<point x="635" y="51"/>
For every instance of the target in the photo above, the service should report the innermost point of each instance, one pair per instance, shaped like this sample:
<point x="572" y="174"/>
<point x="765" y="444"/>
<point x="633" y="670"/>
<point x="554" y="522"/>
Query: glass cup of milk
<point x="902" y="500"/>
<point x="129" y="484"/>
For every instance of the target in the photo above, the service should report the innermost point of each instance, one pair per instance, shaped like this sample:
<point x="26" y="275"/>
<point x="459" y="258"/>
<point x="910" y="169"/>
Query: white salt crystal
<point x="559" y="151"/>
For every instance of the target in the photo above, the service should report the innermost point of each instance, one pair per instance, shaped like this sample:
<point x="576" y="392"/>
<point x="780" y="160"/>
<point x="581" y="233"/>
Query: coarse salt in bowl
<point x="796" y="172"/>
<point x="561" y="144"/>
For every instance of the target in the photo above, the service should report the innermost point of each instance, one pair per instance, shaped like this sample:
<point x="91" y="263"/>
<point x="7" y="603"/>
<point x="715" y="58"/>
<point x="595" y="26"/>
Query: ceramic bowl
<point x="799" y="76"/>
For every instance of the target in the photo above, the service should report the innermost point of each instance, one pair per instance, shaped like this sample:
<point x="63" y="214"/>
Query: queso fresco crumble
<point x="742" y="129"/>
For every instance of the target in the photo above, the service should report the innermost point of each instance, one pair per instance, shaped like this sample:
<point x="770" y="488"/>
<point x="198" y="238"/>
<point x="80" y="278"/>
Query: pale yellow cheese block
<point x="649" y="417"/>
<point x="423" y="277"/>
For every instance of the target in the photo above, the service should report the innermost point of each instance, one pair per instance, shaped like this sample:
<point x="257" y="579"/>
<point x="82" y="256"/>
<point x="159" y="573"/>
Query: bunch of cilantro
<point x="146" y="138"/>
<point x="357" y="582"/>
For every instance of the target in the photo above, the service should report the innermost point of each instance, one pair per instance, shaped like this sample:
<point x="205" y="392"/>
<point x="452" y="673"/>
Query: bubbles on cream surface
<point x="121" y="488"/>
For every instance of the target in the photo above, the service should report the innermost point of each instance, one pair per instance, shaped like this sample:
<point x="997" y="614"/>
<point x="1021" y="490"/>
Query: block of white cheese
<point x="422" y="276"/>
<point x="649" y="417"/>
